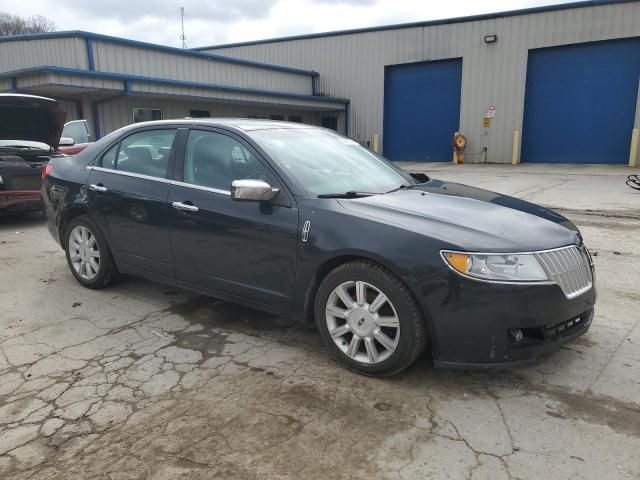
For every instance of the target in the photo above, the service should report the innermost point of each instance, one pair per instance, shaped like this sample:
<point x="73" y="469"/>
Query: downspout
<point x="347" y="113"/>
<point x="90" y="59"/>
<point x="14" y="85"/>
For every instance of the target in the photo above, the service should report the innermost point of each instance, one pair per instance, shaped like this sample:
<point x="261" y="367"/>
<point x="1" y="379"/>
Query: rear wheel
<point x="88" y="254"/>
<point x="369" y="320"/>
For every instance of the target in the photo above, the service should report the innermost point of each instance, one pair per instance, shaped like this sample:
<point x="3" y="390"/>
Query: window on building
<point x="199" y="113"/>
<point x="145" y="153"/>
<point x="258" y="117"/>
<point x="295" y="119"/>
<point x="146" y="114"/>
<point x="215" y="160"/>
<point x="330" y="122"/>
<point x="277" y="117"/>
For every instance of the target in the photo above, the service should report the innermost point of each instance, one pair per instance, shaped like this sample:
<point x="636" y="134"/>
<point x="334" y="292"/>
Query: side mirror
<point x="252" y="191"/>
<point x="66" y="142"/>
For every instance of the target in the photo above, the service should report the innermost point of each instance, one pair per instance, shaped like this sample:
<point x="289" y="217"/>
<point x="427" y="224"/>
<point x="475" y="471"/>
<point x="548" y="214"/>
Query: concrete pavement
<point x="145" y="381"/>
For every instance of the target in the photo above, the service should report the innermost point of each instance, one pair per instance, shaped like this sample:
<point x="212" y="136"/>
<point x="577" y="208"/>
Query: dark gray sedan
<point x="300" y="221"/>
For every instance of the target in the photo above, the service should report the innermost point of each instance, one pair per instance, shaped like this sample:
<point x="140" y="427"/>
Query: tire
<point x="89" y="276"/>
<point x="398" y="318"/>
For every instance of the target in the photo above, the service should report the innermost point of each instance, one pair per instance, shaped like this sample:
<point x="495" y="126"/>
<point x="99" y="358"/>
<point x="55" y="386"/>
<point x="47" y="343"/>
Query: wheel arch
<point x="74" y="211"/>
<point x="66" y="216"/>
<point x="329" y="264"/>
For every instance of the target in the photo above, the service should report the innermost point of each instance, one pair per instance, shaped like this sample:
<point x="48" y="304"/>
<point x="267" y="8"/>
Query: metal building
<point x="551" y="84"/>
<point x="113" y="82"/>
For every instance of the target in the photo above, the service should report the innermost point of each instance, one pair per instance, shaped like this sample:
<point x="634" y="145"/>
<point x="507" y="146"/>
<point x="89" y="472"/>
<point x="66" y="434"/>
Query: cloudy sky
<point x="209" y="22"/>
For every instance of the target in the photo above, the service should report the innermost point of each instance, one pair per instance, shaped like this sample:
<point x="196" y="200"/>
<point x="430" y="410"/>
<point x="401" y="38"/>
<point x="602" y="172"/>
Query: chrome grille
<point x="569" y="268"/>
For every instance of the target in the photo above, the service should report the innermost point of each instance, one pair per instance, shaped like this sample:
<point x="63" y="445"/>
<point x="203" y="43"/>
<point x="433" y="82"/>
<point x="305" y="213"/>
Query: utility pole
<point x="183" y="36"/>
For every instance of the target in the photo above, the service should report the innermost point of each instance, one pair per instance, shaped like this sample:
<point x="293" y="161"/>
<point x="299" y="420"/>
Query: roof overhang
<point x="64" y="82"/>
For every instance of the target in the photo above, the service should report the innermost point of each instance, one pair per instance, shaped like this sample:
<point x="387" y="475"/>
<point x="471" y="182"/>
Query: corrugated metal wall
<point x="118" y="113"/>
<point x="132" y="60"/>
<point x="113" y="57"/>
<point x="63" y="52"/>
<point x="352" y="65"/>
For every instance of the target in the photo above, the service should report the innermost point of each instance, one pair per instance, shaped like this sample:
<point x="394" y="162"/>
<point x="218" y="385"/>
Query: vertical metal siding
<point x="64" y="52"/>
<point x="132" y="60"/>
<point x="118" y="113"/>
<point x="352" y="65"/>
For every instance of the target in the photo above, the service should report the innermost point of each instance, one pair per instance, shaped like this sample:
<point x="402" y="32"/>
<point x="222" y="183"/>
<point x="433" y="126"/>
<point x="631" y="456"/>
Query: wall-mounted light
<point x="491" y="38"/>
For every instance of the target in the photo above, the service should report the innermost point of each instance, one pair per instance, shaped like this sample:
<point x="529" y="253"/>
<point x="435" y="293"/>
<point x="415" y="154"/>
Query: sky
<point x="212" y="22"/>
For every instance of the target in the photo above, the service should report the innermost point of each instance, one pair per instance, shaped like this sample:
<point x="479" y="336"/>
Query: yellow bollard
<point x="515" y="152"/>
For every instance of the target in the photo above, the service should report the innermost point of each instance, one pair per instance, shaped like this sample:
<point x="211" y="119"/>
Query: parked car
<point x="298" y="220"/>
<point x="30" y="128"/>
<point x="75" y="137"/>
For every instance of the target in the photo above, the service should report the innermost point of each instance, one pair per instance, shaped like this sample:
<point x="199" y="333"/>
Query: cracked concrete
<point x="145" y="381"/>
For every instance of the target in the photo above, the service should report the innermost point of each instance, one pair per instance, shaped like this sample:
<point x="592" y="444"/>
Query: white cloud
<point x="222" y="21"/>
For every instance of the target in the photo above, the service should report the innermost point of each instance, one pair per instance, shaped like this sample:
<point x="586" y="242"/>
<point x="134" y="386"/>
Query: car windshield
<point x="325" y="163"/>
<point x="23" y="144"/>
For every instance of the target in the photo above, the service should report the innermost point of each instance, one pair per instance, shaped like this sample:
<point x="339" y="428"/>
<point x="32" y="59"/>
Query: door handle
<point x="97" y="188"/>
<point x="184" y="206"/>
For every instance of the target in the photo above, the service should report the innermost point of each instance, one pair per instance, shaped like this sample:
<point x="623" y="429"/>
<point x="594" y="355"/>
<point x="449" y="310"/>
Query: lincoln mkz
<point x="300" y="221"/>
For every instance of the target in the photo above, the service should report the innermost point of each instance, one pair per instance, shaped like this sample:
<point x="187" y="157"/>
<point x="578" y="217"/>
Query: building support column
<point x="87" y="114"/>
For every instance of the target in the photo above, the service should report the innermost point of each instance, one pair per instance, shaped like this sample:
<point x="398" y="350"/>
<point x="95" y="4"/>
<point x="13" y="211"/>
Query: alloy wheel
<point x="362" y="322"/>
<point x="84" y="252"/>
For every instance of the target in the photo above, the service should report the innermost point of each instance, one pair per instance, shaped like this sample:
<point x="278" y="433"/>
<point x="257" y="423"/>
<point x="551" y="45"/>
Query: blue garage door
<point x="421" y="110"/>
<point x="580" y="102"/>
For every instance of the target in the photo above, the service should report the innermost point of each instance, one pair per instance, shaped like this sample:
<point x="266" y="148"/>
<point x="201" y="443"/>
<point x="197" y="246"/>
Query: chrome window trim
<point x="515" y="282"/>
<point x="159" y="179"/>
<point x="201" y="187"/>
<point x="128" y="174"/>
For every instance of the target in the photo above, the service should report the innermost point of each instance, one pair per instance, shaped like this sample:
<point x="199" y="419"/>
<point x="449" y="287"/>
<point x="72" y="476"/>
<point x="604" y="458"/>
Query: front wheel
<point x="369" y="319"/>
<point x="88" y="254"/>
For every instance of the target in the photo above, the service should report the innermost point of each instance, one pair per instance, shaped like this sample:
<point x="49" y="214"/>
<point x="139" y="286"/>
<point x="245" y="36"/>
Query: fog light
<point x="516" y="335"/>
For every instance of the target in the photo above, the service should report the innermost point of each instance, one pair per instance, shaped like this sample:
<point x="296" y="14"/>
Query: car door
<point x="242" y="249"/>
<point x="128" y="190"/>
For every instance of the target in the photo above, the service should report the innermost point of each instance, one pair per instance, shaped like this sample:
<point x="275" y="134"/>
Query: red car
<point x="30" y="129"/>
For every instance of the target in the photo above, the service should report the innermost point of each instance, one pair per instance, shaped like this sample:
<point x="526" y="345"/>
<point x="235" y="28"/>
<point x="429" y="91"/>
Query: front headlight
<point x="511" y="267"/>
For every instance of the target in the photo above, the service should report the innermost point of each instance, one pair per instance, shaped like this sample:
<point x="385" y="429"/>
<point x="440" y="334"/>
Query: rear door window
<point x="144" y="153"/>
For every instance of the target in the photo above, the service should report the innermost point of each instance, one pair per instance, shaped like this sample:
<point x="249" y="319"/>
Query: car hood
<point x="28" y="117"/>
<point x="470" y="218"/>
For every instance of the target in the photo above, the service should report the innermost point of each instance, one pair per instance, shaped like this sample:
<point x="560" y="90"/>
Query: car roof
<point x="245" y="124"/>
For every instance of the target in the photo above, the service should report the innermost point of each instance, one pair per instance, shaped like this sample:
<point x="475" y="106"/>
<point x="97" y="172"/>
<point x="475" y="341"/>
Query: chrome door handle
<point x="97" y="188"/>
<point x="184" y="206"/>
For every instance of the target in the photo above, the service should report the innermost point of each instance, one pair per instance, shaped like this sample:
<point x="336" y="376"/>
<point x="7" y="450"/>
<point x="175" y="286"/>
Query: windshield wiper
<point x="406" y="187"/>
<point x="350" y="194"/>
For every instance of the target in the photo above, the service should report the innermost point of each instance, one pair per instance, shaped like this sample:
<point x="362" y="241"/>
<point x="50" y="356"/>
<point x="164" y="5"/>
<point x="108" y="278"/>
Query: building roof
<point x="447" y="21"/>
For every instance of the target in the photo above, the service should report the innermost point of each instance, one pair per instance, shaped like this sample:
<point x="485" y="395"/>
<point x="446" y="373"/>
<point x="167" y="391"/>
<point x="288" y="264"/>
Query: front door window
<point x="215" y="160"/>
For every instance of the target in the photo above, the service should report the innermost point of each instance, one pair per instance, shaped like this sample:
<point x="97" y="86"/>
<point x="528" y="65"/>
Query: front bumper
<point x="472" y="322"/>
<point x="20" y="200"/>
